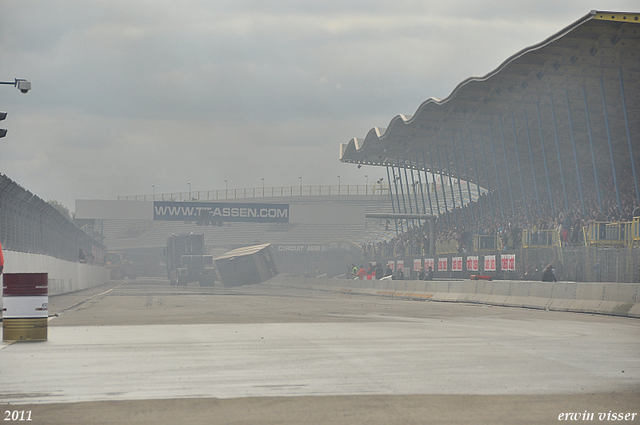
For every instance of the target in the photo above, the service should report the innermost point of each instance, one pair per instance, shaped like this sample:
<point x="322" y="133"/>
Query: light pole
<point x="366" y="188"/>
<point x="153" y="187"/>
<point x="189" y="183"/>
<point x="338" y="185"/>
<point x="300" y="177"/>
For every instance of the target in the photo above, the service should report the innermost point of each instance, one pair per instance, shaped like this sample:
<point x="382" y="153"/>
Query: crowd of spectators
<point x="496" y="213"/>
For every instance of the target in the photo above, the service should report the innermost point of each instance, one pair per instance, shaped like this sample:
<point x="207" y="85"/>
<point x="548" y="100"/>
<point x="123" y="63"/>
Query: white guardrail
<point x="620" y="299"/>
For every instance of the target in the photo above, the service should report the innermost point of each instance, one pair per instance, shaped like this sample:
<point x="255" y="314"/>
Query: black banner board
<point x="220" y="212"/>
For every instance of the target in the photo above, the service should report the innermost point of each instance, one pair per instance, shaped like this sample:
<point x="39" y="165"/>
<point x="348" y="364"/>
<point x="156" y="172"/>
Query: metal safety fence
<point x="571" y="264"/>
<point x="29" y="224"/>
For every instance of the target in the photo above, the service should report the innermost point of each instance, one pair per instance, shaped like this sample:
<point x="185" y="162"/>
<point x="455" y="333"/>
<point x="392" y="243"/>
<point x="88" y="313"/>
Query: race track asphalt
<point x="145" y="352"/>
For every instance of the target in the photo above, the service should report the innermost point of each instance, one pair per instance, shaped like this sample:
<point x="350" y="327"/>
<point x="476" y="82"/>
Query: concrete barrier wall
<point x="64" y="276"/>
<point x="620" y="299"/>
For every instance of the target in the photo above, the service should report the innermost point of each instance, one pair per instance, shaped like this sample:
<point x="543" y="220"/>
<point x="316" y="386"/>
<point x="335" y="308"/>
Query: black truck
<point x="187" y="262"/>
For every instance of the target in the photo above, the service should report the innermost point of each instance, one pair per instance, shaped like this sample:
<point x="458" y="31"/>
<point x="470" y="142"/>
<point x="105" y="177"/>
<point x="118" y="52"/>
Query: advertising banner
<point x="442" y="264"/>
<point x="429" y="262"/>
<point x="472" y="263"/>
<point x="417" y="263"/>
<point x="489" y="263"/>
<point x="221" y="212"/>
<point x="508" y="261"/>
<point x="456" y="264"/>
<point x="400" y="264"/>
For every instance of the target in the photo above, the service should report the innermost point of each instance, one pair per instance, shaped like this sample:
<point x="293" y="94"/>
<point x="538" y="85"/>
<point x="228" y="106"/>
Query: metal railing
<point x="447" y="247"/>
<point x="265" y="192"/>
<point x="486" y="243"/>
<point x="607" y="234"/>
<point x="538" y="238"/>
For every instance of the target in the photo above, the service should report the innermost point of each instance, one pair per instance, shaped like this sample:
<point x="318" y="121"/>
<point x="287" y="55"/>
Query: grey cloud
<point x="233" y="89"/>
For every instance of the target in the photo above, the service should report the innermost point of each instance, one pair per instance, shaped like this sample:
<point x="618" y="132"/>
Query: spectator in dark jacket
<point x="549" y="274"/>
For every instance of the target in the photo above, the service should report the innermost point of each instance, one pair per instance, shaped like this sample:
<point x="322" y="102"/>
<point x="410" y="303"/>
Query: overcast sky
<point x="130" y="94"/>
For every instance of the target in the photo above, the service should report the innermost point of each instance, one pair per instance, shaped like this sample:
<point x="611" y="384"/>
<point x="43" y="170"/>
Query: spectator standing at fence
<point x="379" y="271"/>
<point x="1" y="259"/>
<point x="429" y="274"/>
<point x="549" y="274"/>
<point x="388" y="271"/>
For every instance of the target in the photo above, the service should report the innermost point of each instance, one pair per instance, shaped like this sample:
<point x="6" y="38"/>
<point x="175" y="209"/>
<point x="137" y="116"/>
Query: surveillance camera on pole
<point x="3" y="132"/>
<point x="23" y="85"/>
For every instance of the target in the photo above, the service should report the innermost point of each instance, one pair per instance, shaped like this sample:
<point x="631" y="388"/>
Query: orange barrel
<point x="25" y="311"/>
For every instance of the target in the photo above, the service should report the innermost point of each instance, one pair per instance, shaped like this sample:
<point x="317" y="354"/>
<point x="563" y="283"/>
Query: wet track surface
<point x="144" y="340"/>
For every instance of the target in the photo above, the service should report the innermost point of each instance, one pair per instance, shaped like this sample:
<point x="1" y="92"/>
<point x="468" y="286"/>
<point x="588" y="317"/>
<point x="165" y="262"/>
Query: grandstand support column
<point x="473" y="155"/>
<point x="426" y="178"/>
<point x="406" y="180"/>
<point x="466" y="174"/>
<point x="404" y="201"/>
<point x="486" y="173"/>
<point x="424" y="205"/>
<point x="399" y="192"/>
<point x="626" y="124"/>
<point x="455" y="161"/>
<point x="495" y="166"/>
<point x="593" y="154"/>
<point x="575" y="153"/>
<point x="435" y="186"/>
<point x="444" y="193"/>
<point x="432" y="236"/>
<point x="453" y="196"/>
<point x="544" y="161"/>
<point x="555" y="133"/>
<point x="515" y="142"/>
<point x="606" y="125"/>
<point x="506" y="165"/>
<point x="413" y="182"/>
<point x="393" y="207"/>
<point x="533" y="168"/>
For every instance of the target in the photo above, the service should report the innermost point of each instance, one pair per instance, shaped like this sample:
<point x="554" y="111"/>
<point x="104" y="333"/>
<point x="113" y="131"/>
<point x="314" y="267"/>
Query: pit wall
<point x="64" y="276"/>
<point x="619" y="299"/>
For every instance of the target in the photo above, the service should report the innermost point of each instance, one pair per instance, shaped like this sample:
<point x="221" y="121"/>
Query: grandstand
<point x="552" y="133"/>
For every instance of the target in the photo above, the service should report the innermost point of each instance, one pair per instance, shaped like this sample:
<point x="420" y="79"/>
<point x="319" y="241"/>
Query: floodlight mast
<point x="23" y="85"/>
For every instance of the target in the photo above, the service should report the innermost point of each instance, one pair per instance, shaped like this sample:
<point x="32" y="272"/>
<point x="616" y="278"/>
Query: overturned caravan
<point x="246" y="266"/>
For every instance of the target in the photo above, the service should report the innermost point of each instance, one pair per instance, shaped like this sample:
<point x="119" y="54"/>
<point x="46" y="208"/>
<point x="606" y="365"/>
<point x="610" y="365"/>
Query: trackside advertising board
<point x="221" y="211"/>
